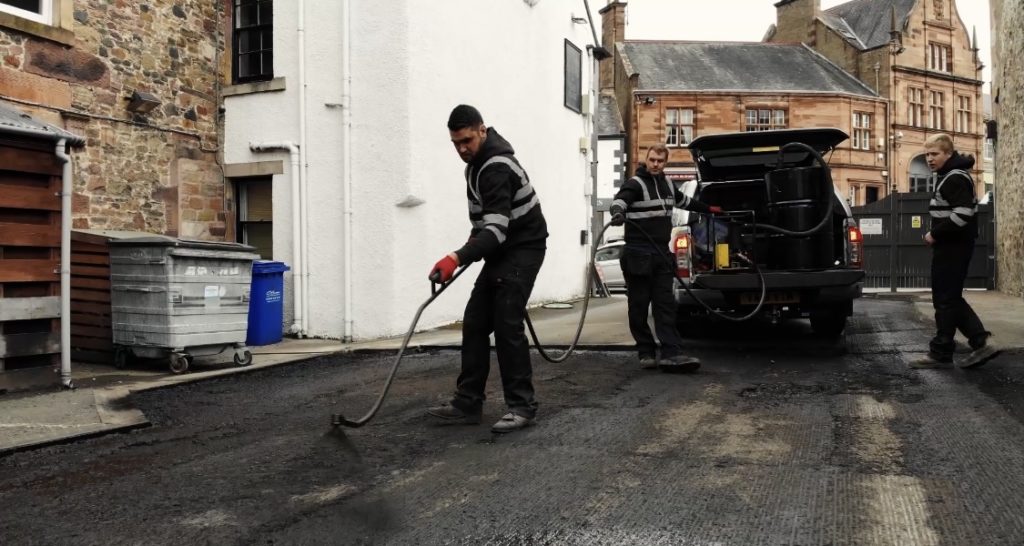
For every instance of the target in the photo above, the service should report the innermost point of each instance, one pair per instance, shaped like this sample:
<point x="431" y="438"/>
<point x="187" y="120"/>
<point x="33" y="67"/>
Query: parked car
<point x="817" y="276"/>
<point x="607" y="262"/>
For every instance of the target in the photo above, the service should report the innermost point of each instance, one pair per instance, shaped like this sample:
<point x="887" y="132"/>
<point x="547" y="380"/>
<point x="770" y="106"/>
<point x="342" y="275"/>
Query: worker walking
<point x="647" y="201"/>
<point x="953" y="209"/>
<point x="509" y="233"/>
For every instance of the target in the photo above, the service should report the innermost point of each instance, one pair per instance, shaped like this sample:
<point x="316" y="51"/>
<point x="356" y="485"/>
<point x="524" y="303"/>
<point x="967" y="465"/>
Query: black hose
<point x="830" y="190"/>
<point x="338" y="419"/>
<point x="753" y="263"/>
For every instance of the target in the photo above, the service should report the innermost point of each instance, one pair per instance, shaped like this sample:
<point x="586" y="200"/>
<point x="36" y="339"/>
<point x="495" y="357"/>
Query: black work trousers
<point x="952" y="312"/>
<point x="649" y="279"/>
<point x="498" y="304"/>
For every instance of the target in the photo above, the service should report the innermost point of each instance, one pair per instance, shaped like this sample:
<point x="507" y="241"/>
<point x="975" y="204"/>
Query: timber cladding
<point x="30" y="222"/>
<point x="90" y="299"/>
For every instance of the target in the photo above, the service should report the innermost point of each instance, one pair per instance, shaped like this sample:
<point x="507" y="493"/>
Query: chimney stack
<point x="613" y="30"/>
<point x="794" y="20"/>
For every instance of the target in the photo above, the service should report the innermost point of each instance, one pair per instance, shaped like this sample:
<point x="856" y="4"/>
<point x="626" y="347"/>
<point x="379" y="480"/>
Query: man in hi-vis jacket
<point x="954" y="228"/>
<point x="647" y="200"/>
<point x="509" y="234"/>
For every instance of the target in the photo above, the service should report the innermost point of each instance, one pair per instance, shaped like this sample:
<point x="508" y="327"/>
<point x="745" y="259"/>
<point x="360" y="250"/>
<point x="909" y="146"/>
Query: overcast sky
<point x="747" y="20"/>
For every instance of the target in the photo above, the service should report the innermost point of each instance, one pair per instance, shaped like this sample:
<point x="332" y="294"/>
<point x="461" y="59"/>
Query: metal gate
<point x="899" y="258"/>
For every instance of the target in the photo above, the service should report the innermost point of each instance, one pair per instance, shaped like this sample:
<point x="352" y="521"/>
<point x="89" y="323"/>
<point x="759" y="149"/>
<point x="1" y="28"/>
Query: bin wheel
<point x="120" y="358"/>
<point x="178" y="362"/>
<point x="243" y="358"/>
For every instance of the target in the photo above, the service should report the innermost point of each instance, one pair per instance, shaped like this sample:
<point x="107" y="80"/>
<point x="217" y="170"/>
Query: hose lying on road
<point x="338" y="419"/>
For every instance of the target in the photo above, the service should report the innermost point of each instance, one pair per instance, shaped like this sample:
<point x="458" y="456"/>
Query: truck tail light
<point x="856" y="247"/>
<point x="681" y="245"/>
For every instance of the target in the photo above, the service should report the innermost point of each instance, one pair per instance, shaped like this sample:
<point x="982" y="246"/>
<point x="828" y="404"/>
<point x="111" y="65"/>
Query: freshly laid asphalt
<point x="779" y="439"/>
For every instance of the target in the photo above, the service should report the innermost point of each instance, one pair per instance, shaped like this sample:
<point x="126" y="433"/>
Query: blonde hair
<point x="659" y="149"/>
<point x="941" y="141"/>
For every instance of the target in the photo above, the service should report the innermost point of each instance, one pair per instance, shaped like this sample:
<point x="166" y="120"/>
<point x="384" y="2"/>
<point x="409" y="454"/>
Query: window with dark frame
<point x="255" y="206"/>
<point x="678" y="126"/>
<point x="915" y="108"/>
<point x="940" y="57"/>
<point x="253" y="40"/>
<point x="861" y="131"/>
<point x="573" y="97"/>
<point x="963" y="114"/>
<point x="764" y="119"/>
<point x="937" y="111"/>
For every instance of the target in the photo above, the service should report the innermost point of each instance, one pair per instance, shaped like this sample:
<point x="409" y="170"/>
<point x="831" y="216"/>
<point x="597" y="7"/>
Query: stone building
<point x="1008" y="111"/>
<point x="138" y="80"/>
<point x="672" y="92"/>
<point x="918" y="54"/>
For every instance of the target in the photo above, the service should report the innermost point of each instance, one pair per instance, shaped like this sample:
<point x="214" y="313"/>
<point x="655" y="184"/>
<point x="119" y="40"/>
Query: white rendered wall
<point x="411" y="63"/>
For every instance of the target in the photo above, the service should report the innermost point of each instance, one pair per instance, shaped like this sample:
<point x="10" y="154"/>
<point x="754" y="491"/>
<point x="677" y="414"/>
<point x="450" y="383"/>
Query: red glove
<point x="443" y="270"/>
<point x="715" y="209"/>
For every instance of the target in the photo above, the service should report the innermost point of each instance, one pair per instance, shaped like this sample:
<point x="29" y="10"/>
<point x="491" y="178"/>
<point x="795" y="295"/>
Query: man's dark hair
<point x="464" y="116"/>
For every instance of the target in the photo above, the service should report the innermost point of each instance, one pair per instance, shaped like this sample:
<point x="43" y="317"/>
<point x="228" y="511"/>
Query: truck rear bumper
<point x="802" y="289"/>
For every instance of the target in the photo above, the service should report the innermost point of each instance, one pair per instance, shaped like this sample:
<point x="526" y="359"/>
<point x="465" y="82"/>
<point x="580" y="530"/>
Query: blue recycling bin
<point x="266" y="303"/>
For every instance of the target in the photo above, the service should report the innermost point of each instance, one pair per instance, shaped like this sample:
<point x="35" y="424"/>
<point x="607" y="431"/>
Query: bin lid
<point x="164" y="240"/>
<point x="269" y="266"/>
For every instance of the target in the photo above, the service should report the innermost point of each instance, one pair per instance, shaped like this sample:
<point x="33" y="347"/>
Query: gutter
<point x="346" y="163"/>
<point x="298" y="325"/>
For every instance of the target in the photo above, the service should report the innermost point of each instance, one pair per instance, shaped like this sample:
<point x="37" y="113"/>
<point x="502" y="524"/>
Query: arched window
<point x="921" y="177"/>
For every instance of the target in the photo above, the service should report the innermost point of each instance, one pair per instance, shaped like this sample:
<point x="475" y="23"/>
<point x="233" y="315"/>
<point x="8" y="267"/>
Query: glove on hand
<point x="618" y="218"/>
<point x="443" y="270"/>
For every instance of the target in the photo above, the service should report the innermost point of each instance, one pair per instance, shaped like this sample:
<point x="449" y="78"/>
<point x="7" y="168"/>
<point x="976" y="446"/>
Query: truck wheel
<point x="828" y="322"/>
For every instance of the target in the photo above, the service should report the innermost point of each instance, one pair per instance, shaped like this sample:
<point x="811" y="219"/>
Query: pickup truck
<point x="816" y="276"/>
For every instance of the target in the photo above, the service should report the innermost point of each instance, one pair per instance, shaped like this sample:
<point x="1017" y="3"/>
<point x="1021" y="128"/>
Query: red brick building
<point x="672" y="92"/>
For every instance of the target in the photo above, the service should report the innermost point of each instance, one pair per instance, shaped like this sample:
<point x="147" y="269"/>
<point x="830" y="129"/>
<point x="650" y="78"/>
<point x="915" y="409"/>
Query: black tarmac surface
<point x="779" y="439"/>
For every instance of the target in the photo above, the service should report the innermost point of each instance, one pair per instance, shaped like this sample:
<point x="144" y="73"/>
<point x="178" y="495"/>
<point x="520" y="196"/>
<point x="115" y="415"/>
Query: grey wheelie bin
<point x="178" y="299"/>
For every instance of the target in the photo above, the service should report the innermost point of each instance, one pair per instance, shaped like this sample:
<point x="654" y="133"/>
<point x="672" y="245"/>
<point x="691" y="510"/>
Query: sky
<point x="748" y="20"/>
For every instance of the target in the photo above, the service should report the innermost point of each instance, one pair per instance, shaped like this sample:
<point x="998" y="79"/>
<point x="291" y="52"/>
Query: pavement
<point x="99" y="403"/>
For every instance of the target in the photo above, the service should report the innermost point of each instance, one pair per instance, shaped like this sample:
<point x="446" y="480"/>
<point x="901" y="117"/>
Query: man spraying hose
<point x="509" y="233"/>
<point x="647" y="201"/>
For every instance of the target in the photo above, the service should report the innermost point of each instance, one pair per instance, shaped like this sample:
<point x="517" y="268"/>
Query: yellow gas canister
<point x="722" y="255"/>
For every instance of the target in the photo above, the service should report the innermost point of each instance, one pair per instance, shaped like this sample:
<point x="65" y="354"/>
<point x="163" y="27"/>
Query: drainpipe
<point x="65" y="264"/>
<point x="346" y="164"/>
<point x="304" y="179"/>
<point x="298" y="326"/>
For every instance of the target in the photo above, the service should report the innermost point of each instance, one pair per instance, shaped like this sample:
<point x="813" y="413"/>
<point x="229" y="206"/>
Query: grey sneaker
<point x="930" y="361"/>
<point x="512" y="421"/>
<point x="980" y="356"/>
<point x="648" y="363"/>
<point x="451" y="415"/>
<point x="679" y="364"/>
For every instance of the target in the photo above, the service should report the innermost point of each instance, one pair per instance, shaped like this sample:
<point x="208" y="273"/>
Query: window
<point x="990" y="149"/>
<point x="573" y="78"/>
<point x="963" y="114"/>
<point x="871" y="194"/>
<point x="940" y="57"/>
<point x="253" y="40"/>
<point x="39" y="11"/>
<point x="765" y="120"/>
<point x="255" y="214"/>
<point x="915" y="109"/>
<point x="937" y="111"/>
<point x="861" y="131"/>
<point x="679" y="126"/>
<point x="922" y="183"/>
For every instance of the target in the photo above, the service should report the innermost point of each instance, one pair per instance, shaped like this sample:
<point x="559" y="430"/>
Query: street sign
<point x="871" y="226"/>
